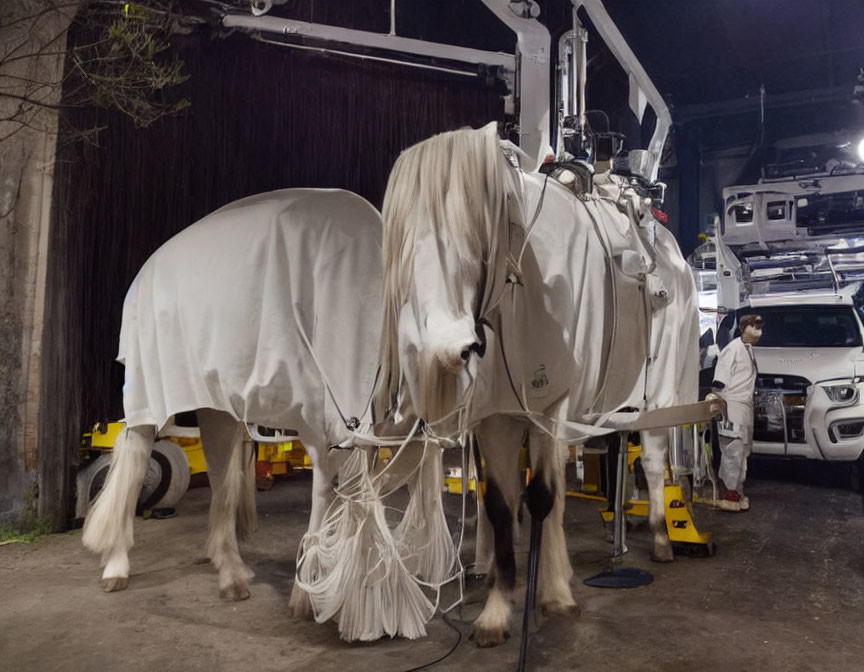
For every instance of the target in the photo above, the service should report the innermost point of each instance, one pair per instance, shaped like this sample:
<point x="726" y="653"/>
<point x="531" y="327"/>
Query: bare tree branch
<point x="40" y="54"/>
<point x="49" y="9"/>
<point x="21" y="126"/>
<point x="17" y="81"/>
<point x="40" y="103"/>
<point x="124" y="65"/>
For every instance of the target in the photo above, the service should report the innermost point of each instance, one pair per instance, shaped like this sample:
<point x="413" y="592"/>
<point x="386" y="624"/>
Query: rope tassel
<point x="352" y="568"/>
<point x="422" y="536"/>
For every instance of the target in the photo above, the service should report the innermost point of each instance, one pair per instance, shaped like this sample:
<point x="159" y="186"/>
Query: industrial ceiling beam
<point x="361" y="38"/>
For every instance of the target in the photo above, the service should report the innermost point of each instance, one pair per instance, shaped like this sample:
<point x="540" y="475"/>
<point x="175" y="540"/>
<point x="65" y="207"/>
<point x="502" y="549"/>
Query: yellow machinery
<point x="279" y="459"/>
<point x="453" y="481"/>
<point x="104" y="435"/>
<point x="679" y="521"/>
<point x="453" y="475"/>
<point x="680" y="526"/>
<point x="273" y="459"/>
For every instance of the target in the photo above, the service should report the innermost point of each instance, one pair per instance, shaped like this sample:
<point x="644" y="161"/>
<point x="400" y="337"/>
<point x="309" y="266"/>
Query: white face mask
<point x="752" y="334"/>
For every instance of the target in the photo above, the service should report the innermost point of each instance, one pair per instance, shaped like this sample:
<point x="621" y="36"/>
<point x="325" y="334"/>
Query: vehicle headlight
<point x="844" y="393"/>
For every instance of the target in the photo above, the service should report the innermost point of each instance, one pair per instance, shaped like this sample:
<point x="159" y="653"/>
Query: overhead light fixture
<point x="861" y="150"/>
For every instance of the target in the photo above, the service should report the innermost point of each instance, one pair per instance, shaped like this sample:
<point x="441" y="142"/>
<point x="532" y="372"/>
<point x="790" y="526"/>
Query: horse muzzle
<point x="453" y="359"/>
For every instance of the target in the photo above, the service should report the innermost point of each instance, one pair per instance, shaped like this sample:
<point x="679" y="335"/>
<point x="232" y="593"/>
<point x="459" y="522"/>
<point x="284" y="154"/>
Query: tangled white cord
<point x="370" y="578"/>
<point x="352" y="569"/>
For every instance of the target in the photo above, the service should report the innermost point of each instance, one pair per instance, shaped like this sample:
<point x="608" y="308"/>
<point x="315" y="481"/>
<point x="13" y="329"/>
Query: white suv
<point x="809" y="398"/>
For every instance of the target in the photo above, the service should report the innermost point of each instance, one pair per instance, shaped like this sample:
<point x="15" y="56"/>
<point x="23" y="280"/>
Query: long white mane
<point x="453" y="185"/>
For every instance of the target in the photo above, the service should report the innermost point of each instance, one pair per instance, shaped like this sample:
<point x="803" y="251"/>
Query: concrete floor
<point x="784" y="592"/>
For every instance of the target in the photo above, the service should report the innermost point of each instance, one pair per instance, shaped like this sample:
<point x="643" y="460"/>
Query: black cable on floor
<point x="446" y="655"/>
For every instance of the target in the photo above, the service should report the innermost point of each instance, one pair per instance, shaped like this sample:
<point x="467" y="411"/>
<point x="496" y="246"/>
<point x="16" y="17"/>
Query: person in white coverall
<point x="734" y="381"/>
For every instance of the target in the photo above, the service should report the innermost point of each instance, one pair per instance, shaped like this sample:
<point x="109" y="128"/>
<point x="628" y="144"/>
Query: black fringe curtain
<point x="262" y="117"/>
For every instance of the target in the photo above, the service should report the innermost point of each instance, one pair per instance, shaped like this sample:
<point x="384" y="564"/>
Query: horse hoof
<point x="491" y="637"/>
<point x="235" y="592"/>
<point x="114" y="583"/>
<point x="560" y="609"/>
<point x="299" y="606"/>
<point x="302" y="612"/>
<point x="663" y="555"/>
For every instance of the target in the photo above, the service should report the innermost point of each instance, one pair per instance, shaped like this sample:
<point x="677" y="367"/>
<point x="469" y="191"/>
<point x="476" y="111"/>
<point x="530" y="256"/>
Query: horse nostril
<point x="474" y="347"/>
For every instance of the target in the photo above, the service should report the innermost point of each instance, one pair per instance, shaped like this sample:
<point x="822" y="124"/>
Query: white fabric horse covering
<point x="227" y="315"/>
<point x="604" y="290"/>
<point x="216" y="317"/>
<point x="575" y="295"/>
<point x="672" y="364"/>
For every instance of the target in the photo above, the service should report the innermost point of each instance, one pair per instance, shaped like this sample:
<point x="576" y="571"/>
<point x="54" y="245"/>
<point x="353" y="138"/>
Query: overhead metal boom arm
<point x="642" y="89"/>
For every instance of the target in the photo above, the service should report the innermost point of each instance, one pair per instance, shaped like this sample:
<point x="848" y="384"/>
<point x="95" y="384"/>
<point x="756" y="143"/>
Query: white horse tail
<point x="108" y="527"/>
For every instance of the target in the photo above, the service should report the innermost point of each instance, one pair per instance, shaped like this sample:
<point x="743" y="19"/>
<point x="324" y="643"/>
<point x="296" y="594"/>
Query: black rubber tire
<point x="91" y="479"/>
<point x="175" y="474"/>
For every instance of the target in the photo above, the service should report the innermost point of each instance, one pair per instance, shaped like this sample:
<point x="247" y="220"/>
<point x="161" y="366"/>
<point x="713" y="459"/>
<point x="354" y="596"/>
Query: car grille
<point x="776" y="396"/>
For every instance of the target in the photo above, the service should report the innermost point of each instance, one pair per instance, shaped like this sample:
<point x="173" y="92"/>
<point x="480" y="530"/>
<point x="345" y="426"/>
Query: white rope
<point x="530" y="227"/>
<point x="422" y="535"/>
<point x="369" y="578"/>
<point x="352" y="569"/>
<point x="358" y="571"/>
<point x="459" y="574"/>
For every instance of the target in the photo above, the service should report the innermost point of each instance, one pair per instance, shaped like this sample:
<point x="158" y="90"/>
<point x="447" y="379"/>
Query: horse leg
<point x="323" y="467"/>
<point x="108" y="528"/>
<point x="500" y="442"/>
<point x="230" y="470"/>
<point x="546" y="493"/>
<point x="484" y="549"/>
<point x="654" y="444"/>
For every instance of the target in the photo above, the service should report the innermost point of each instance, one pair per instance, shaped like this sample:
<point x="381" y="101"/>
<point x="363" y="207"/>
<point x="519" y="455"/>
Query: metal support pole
<point x="619" y="577"/>
<point x="619" y="546"/>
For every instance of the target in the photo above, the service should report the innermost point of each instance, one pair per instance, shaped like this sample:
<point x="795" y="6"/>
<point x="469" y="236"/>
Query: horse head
<point x="445" y="242"/>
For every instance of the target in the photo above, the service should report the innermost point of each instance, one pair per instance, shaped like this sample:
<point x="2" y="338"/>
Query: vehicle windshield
<point x="808" y="327"/>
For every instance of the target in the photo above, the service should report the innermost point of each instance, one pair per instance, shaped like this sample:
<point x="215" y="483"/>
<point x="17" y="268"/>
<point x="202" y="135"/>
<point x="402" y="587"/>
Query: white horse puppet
<point x="268" y="312"/>
<point x="247" y="316"/>
<point x="583" y="305"/>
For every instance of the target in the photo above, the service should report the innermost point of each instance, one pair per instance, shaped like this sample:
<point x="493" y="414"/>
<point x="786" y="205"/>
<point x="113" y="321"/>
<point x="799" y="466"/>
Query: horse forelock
<point x="454" y="187"/>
